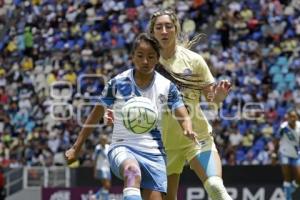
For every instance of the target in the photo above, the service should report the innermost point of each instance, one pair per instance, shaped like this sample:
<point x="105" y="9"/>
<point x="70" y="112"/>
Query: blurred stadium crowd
<point x="52" y="53"/>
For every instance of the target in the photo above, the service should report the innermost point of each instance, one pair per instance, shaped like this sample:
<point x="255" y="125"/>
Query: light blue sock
<point x="131" y="193"/>
<point x="102" y="194"/>
<point x="288" y="190"/>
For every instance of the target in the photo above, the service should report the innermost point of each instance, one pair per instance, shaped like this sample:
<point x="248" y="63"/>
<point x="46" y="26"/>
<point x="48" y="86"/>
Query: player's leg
<point x="173" y="183"/>
<point x="287" y="173"/>
<point x="106" y="184"/>
<point x="153" y="168"/>
<point x="296" y="172"/>
<point x="296" y="181"/>
<point x="151" y="195"/>
<point x="125" y="166"/>
<point x="207" y="165"/>
<point x="131" y="173"/>
<point x="287" y="181"/>
<point x="175" y="164"/>
<point x="105" y="178"/>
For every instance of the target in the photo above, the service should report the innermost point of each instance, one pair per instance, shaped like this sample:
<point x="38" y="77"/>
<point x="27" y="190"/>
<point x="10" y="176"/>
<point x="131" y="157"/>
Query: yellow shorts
<point x="176" y="158"/>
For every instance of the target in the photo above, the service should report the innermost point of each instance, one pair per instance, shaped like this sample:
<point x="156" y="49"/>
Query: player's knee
<point x="215" y="188"/>
<point x="132" y="176"/>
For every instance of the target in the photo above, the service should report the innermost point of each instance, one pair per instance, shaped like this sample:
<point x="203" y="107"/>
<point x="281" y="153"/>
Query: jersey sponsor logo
<point x="187" y="72"/>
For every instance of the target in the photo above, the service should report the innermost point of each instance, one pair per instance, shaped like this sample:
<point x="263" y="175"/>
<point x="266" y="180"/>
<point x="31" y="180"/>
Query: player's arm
<point x="216" y="93"/>
<point x="276" y="139"/>
<point x="89" y="125"/>
<point x="185" y="122"/>
<point x="176" y="104"/>
<point x="107" y="98"/>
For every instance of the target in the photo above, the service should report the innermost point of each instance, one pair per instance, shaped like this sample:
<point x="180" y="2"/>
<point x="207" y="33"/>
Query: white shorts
<point x="153" y="166"/>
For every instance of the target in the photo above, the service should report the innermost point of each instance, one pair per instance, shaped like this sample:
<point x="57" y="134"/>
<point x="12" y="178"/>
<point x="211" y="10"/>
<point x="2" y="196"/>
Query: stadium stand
<point x="252" y="43"/>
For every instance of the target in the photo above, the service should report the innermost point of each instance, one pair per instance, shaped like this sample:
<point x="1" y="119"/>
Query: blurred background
<point x="56" y="55"/>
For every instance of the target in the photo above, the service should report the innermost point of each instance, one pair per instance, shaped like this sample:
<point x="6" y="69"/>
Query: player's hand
<point x="109" y="117"/>
<point x="222" y="89"/>
<point x="71" y="155"/>
<point x="191" y="135"/>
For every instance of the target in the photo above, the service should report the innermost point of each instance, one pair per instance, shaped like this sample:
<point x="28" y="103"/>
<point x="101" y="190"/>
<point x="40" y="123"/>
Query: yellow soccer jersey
<point x="194" y="70"/>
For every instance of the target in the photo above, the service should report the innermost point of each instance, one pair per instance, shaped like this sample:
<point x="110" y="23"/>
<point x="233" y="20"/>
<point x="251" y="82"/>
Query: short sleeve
<point x="204" y="70"/>
<point x="107" y="97"/>
<point x="174" y="98"/>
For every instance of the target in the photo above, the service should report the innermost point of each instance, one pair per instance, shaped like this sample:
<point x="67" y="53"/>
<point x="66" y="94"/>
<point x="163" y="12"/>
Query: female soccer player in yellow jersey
<point x="191" y="73"/>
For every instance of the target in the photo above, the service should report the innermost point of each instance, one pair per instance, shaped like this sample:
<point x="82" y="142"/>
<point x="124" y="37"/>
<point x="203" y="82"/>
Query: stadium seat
<point x="277" y="78"/>
<point x="292" y="85"/>
<point x="258" y="145"/>
<point x="71" y="43"/>
<point x="282" y="61"/>
<point x="257" y="36"/>
<point x="240" y="156"/>
<point x="290" y="77"/>
<point x="284" y="69"/>
<point x="80" y="42"/>
<point x="281" y="86"/>
<point x="275" y="69"/>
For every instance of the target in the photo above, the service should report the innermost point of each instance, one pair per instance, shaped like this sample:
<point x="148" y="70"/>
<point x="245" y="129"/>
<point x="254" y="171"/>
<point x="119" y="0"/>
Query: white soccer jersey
<point x="162" y="92"/>
<point x="101" y="158"/>
<point x="289" y="140"/>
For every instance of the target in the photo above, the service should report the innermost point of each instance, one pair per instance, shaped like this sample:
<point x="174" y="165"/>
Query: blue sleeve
<point x="174" y="98"/>
<point x="107" y="97"/>
<point x="278" y="134"/>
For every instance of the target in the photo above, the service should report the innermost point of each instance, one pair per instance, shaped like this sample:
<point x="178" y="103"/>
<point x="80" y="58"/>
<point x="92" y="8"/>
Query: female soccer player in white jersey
<point x="191" y="73"/>
<point x="102" y="167"/>
<point x="289" y="149"/>
<point x="138" y="159"/>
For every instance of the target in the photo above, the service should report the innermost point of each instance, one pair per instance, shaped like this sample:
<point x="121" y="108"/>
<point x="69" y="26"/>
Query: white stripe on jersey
<point x="289" y="140"/>
<point x="161" y="92"/>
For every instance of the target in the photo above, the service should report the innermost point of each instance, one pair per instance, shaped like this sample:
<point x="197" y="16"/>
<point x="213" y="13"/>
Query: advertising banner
<point x="269" y="192"/>
<point x="78" y="193"/>
<point x="242" y="183"/>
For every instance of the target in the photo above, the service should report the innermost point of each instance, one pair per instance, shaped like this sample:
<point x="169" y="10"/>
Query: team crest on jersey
<point x="187" y="72"/>
<point x="162" y="98"/>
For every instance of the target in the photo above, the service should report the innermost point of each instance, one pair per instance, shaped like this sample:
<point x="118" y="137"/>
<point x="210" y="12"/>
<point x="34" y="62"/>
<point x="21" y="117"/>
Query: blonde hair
<point x="182" y="38"/>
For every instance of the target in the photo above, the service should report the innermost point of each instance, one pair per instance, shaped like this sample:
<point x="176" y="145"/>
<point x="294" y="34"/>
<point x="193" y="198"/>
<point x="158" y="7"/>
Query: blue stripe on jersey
<point x="124" y="86"/>
<point x="288" y="132"/>
<point x="108" y="94"/>
<point x="174" y="98"/>
<point x="156" y="135"/>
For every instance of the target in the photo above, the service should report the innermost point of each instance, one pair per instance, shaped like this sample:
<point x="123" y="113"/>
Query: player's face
<point x="145" y="58"/>
<point x="292" y="117"/>
<point x="164" y="31"/>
